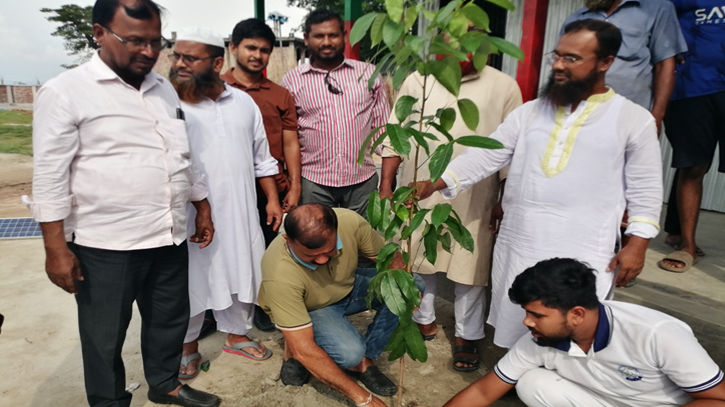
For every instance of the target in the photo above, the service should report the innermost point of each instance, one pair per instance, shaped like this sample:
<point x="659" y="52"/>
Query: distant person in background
<point x="335" y="112"/>
<point x="252" y="45"/>
<point x="229" y="145"/>
<point x="695" y="124"/>
<point x="111" y="180"/>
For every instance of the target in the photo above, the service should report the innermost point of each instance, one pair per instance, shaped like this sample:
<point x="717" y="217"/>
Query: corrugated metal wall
<point x="714" y="185"/>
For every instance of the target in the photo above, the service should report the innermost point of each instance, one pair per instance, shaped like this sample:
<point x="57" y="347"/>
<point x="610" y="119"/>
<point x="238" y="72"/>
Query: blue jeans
<point x="340" y="339"/>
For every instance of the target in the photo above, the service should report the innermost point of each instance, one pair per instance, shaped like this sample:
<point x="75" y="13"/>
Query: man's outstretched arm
<point x="481" y="393"/>
<point x="301" y="344"/>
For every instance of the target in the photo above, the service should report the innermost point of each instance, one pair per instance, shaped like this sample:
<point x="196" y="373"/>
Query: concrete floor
<point x="42" y="363"/>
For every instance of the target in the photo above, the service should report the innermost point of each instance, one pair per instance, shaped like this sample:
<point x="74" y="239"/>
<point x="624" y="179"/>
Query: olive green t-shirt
<point x="289" y="290"/>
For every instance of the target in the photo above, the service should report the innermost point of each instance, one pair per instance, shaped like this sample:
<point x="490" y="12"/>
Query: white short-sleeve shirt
<point x="640" y="358"/>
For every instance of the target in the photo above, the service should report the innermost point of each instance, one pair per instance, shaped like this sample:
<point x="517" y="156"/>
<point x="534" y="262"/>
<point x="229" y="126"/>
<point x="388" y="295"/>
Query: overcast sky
<point x="29" y="54"/>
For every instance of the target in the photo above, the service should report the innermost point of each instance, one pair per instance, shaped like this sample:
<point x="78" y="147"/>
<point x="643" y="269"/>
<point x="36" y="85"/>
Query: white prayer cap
<point x="202" y="35"/>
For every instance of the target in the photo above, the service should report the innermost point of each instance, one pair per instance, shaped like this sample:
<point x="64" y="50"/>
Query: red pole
<point x="532" y="43"/>
<point x="351" y="52"/>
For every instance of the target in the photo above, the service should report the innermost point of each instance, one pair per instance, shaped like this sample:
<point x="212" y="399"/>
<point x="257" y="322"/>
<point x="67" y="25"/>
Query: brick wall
<point x="23" y="94"/>
<point x="4" y="93"/>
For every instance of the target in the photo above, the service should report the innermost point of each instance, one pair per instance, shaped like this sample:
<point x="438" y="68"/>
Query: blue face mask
<point x="310" y="265"/>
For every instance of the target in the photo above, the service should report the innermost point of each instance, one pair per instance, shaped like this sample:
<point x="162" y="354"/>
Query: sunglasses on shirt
<point x="335" y="88"/>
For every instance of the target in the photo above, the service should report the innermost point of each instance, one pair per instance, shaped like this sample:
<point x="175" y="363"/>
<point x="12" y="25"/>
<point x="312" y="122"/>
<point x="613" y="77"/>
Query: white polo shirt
<point x="640" y="358"/>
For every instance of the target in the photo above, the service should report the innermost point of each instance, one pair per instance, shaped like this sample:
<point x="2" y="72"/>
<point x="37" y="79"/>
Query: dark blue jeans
<point x="340" y="339"/>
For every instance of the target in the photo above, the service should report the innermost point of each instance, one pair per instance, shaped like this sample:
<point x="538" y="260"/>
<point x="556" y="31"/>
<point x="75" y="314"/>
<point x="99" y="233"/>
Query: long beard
<point x="196" y="89"/>
<point x="569" y="92"/>
<point x="600" y="5"/>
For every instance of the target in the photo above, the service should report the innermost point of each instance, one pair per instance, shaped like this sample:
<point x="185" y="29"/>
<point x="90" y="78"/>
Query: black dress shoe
<point x="187" y="397"/>
<point x="294" y="373"/>
<point x="376" y="381"/>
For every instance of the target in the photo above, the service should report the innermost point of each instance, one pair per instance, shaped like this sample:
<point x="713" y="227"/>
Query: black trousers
<point x="267" y="231"/>
<point x="157" y="279"/>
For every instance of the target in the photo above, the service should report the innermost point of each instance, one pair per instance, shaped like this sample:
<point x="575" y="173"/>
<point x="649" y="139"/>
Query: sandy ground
<point x="41" y="352"/>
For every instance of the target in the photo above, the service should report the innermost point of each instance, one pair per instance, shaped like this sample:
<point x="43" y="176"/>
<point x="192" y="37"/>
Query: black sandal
<point x="476" y="362"/>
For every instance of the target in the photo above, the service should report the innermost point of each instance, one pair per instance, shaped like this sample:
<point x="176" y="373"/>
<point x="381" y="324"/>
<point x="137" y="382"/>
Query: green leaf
<point x="430" y="242"/>
<point x="205" y="366"/>
<point x="416" y="44"/>
<point x="469" y="113"/>
<point x="385" y="222"/>
<point x="507" y="47"/>
<point x="396" y="339"/>
<point x="439" y="161"/>
<point x="395" y="9"/>
<point x="400" y="74"/>
<point x="373" y="290"/>
<point x="403" y="213"/>
<point x="445" y="240"/>
<point x="386" y="255"/>
<point x="418" y="137"/>
<point x="404" y="106"/>
<point x="440" y="214"/>
<point x="392" y="296"/>
<point x="376" y="30"/>
<point x="407" y="285"/>
<point x="480" y="61"/>
<point x="478" y="17"/>
<point x="430" y="15"/>
<point x="376" y="72"/>
<point x="414" y="224"/>
<point x="448" y="117"/>
<point x="392" y="32"/>
<point x="401" y="57"/>
<point x="458" y="24"/>
<point x="402" y="194"/>
<point x="448" y="73"/>
<point x="374" y="211"/>
<point x="363" y="148"/>
<point x="416" y="346"/>
<point x="442" y="48"/>
<point x="410" y="15"/>
<point x="361" y="27"/>
<point x="398" y="139"/>
<point x="398" y="352"/>
<point x="471" y="41"/>
<point x="393" y="228"/>
<point x="460" y="233"/>
<point x="479" y="141"/>
<point x="441" y="130"/>
<point x="442" y="15"/>
<point x="507" y="4"/>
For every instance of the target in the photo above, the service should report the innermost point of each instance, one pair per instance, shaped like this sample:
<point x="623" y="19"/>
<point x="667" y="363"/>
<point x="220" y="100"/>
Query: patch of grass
<point x="16" y="135"/>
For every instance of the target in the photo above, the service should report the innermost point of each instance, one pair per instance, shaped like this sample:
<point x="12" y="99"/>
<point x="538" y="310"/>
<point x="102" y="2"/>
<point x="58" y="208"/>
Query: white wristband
<point x="370" y="398"/>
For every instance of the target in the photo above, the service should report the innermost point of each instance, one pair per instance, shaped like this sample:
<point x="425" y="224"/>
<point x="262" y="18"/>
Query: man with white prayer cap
<point x="229" y="145"/>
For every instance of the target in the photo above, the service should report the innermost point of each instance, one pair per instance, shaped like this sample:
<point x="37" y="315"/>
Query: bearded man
<point x="578" y="156"/>
<point x="228" y="145"/>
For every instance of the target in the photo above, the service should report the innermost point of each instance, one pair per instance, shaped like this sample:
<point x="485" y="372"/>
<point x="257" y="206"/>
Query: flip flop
<point x="465" y="359"/>
<point x="676" y="244"/>
<point x="185" y="361"/>
<point x="237" y="350"/>
<point x="680" y="256"/>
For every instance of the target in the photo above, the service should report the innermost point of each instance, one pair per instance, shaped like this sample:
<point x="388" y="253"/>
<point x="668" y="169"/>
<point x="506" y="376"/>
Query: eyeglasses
<point x="137" y="44"/>
<point x="335" y="88"/>
<point x="187" y="59"/>
<point x="568" y="60"/>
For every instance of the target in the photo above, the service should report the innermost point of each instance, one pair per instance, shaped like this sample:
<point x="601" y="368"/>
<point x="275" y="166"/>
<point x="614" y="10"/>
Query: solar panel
<point x="19" y="228"/>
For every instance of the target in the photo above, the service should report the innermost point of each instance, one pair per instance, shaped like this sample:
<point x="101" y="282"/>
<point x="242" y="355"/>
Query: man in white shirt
<point x="578" y="156"/>
<point x="229" y="145"/>
<point x="112" y="178"/>
<point x="596" y="354"/>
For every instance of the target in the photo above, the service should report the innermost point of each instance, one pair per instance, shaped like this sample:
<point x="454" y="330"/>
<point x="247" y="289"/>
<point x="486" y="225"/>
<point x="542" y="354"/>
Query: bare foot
<point x="234" y="339"/>
<point x="463" y="342"/>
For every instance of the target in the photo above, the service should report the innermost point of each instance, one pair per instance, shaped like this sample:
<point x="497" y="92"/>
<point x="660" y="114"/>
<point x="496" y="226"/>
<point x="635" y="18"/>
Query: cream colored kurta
<point x="571" y="176"/>
<point x="496" y="95"/>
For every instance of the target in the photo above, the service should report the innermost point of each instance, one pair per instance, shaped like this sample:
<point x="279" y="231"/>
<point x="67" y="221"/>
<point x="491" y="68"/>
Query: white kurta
<point x="496" y="95"/>
<point x="228" y="144"/>
<point x="571" y="176"/>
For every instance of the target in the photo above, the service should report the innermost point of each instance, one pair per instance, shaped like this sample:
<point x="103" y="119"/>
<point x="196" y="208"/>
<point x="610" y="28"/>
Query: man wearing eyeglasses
<point x="335" y="111"/>
<point x="112" y="178"/>
<point x="227" y="138"/>
<point x="578" y="156"/>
